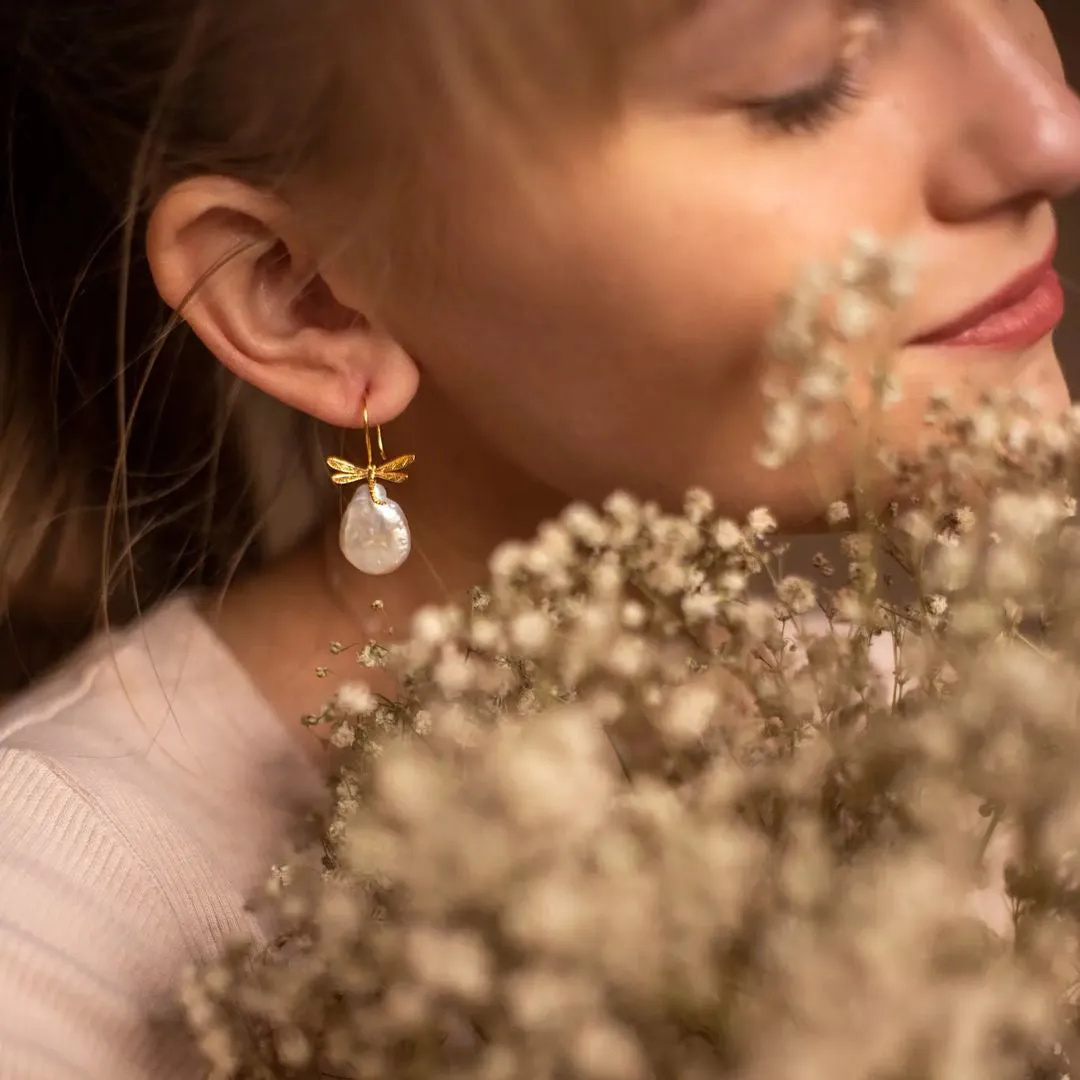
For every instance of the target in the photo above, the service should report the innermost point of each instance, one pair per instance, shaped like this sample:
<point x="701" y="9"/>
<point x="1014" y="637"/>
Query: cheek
<point x="616" y="337"/>
<point x="703" y="230"/>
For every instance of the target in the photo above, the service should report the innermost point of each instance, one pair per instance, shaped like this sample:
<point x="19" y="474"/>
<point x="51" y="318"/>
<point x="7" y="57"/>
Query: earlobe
<point x="225" y="257"/>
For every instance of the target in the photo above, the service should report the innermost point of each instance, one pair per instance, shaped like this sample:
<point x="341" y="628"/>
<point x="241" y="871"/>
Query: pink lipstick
<point x="1017" y="316"/>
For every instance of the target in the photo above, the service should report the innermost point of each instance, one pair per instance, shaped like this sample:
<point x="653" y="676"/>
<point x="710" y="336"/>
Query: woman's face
<point x="611" y="333"/>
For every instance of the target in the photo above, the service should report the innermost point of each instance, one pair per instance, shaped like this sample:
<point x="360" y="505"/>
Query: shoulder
<point x="156" y="727"/>
<point x="144" y="790"/>
<point x="87" y="935"/>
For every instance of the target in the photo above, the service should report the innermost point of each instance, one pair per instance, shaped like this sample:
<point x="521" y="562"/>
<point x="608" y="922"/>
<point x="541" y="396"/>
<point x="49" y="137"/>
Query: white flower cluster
<point x="647" y="807"/>
<point x="831" y="315"/>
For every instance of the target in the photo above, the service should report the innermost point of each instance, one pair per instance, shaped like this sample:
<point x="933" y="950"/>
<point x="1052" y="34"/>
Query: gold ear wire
<point x="367" y="438"/>
<point x="395" y="471"/>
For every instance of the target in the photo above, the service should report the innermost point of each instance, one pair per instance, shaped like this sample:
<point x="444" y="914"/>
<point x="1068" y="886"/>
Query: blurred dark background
<point x="1064" y="16"/>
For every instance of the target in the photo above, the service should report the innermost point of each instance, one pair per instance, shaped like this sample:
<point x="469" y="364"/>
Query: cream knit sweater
<point x="145" y="790"/>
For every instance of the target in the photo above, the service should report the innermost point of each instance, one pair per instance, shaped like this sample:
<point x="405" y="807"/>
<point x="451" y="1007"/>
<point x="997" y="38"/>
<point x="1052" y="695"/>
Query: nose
<point x="1014" y="139"/>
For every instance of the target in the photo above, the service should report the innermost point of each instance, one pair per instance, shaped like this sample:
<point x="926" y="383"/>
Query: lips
<point x="1018" y="315"/>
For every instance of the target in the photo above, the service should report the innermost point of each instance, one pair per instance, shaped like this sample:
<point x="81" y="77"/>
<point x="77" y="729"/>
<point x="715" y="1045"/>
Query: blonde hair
<point x="110" y="495"/>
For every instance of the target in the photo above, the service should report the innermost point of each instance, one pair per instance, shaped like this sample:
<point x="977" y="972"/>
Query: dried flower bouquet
<point x="651" y="806"/>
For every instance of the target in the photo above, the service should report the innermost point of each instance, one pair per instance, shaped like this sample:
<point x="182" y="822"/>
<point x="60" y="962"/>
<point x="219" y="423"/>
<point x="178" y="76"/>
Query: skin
<point x="609" y="334"/>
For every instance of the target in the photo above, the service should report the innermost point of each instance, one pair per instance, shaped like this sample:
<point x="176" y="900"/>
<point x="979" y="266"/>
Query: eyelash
<point x="810" y="109"/>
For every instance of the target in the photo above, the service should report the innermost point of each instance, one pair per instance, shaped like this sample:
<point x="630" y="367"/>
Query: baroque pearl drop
<point x="375" y="537"/>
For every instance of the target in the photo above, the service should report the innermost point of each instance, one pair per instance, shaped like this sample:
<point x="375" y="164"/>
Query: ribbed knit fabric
<point x="145" y="791"/>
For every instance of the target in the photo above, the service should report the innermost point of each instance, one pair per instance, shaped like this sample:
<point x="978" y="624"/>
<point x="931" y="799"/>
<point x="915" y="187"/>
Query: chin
<point x="1044" y="377"/>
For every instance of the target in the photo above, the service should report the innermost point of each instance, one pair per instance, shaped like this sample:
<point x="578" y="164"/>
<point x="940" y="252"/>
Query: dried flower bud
<point x="838" y="513"/>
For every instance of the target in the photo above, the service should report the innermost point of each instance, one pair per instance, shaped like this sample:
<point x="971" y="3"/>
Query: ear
<point x="233" y="263"/>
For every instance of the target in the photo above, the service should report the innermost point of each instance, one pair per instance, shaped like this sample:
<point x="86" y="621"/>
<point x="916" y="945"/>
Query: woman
<point x="541" y="244"/>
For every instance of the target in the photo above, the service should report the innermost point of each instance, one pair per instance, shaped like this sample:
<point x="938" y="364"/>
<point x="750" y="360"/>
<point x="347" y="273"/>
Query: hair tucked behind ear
<point x="111" y="495"/>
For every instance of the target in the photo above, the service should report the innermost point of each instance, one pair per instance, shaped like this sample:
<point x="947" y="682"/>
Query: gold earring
<point x="375" y="535"/>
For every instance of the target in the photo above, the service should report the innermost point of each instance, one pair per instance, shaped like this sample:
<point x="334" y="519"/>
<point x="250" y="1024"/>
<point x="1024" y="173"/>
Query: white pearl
<point x="375" y="537"/>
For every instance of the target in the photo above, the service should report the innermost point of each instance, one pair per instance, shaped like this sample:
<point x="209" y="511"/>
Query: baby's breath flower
<point x="838" y="513"/>
<point x="858" y="547"/>
<point x="669" y="578"/>
<point x="372" y="655"/>
<point x="431" y="626"/>
<point x="761" y="522"/>
<point x="823" y="386"/>
<point x="356" y="698"/>
<point x="506" y="561"/>
<point x="699" y="506"/>
<point x="605" y="579"/>
<point x="758" y="619"/>
<point x="1025" y="515"/>
<point x="917" y="525"/>
<point x="732" y="584"/>
<point x="854" y="318"/>
<point x="485" y="635"/>
<point x="452" y="673"/>
<point x="343" y="736"/>
<point x="634" y="615"/>
<point x="530" y="633"/>
<point x="623" y="507"/>
<point x="848" y="606"/>
<point x="627" y="657"/>
<point x="607" y="706"/>
<point x="585" y="524"/>
<point x="281" y="877"/>
<point x="951" y="568"/>
<point x="700" y="606"/>
<point x="727" y="535"/>
<point x="606" y="1051"/>
<point x="937" y="604"/>
<point x="690" y="712"/>
<point x="450" y="962"/>
<point x="797" y="594"/>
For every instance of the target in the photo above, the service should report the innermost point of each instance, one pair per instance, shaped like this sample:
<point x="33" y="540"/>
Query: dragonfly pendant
<point x="395" y="471"/>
